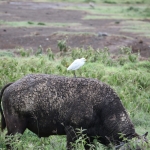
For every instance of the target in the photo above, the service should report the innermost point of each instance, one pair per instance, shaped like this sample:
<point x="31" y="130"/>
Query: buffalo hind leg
<point x="71" y="137"/>
<point x="14" y="125"/>
<point x="89" y="143"/>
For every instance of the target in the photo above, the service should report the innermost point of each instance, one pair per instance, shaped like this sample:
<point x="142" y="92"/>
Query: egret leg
<point x="74" y="73"/>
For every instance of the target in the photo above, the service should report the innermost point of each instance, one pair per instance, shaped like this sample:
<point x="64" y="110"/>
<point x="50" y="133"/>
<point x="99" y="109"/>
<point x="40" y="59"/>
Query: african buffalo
<point x="49" y="105"/>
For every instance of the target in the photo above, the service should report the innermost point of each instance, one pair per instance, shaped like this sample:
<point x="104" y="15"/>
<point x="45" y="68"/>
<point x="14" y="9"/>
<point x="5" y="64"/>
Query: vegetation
<point x="125" y="73"/>
<point x="136" y="27"/>
<point x="34" y="24"/>
<point x="102" y="1"/>
<point x="101" y="11"/>
<point x="62" y="46"/>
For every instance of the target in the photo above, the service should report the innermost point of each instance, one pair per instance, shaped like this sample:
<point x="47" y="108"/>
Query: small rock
<point x="100" y="34"/>
<point x="91" y="5"/>
<point x="140" y="41"/>
<point x="104" y="34"/>
<point x="36" y="33"/>
<point x="117" y="22"/>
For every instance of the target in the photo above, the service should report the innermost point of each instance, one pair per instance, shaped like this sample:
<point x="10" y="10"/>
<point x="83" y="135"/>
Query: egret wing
<point x="75" y="65"/>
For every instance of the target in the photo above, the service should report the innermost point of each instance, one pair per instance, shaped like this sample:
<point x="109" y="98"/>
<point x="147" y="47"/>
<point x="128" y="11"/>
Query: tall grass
<point x="128" y="76"/>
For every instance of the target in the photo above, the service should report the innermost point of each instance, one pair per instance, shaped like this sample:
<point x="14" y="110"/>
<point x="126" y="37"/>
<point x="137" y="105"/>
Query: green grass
<point x="114" y="11"/>
<point x="101" y="1"/>
<point x="128" y="76"/>
<point x="136" y="27"/>
<point x="126" y="1"/>
<point x="35" y="24"/>
<point x="6" y="53"/>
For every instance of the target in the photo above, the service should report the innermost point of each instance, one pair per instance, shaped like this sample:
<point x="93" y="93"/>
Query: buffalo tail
<point x="3" y="123"/>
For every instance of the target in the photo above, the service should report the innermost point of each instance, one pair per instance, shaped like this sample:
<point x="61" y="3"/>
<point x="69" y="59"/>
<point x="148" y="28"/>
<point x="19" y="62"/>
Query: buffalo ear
<point x="145" y="135"/>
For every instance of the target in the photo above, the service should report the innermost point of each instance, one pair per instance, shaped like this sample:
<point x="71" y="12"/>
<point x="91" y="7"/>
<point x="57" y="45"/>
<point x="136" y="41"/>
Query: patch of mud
<point x="139" y="46"/>
<point x="113" y="42"/>
<point x="42" y="5"/>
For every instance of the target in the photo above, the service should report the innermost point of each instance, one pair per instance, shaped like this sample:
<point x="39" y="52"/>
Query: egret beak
<point x="85" y="59"/>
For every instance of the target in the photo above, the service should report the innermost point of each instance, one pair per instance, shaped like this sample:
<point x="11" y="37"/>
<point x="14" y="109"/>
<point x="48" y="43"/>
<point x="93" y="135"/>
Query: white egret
<point x="76" y="64"/>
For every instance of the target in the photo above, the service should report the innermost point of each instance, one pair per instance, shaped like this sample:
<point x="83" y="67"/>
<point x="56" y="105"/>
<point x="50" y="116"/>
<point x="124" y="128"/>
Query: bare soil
<point x="85" y="33"/>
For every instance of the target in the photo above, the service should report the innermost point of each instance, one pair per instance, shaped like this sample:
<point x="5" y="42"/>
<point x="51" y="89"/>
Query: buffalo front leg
<point x="89" y="144"/>
<point x="71" y="137"/>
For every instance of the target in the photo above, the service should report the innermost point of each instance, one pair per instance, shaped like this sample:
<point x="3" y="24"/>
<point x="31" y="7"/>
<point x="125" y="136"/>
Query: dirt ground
<point x="96" y="33"/>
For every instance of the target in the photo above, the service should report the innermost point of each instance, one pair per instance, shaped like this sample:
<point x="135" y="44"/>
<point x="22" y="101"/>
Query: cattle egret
<point x="76" y="64"/>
